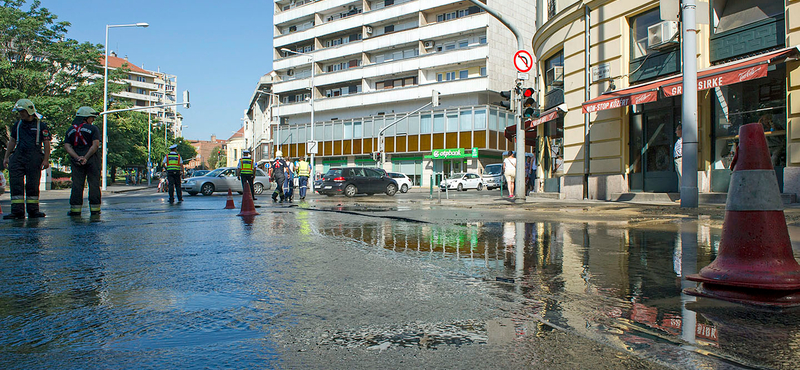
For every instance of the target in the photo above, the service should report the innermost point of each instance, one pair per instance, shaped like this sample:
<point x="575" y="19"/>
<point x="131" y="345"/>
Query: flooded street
<point x="320" y="285"/>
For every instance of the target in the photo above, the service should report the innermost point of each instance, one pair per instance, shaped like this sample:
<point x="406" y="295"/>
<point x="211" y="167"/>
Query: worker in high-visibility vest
<point x="174" y="166"/>
<point x="303" y="171"/>
<point x="246" y="172"/>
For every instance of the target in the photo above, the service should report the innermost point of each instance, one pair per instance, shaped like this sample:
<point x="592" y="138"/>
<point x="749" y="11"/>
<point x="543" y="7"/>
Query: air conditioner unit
<point x="368" y="29"/>
<point x="555" y="75"/>
<point x="661" y="34"/>
<point x="428" y="44"/>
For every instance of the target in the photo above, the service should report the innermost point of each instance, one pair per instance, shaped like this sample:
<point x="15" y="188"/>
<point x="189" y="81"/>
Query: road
<point x="368" y="282"/>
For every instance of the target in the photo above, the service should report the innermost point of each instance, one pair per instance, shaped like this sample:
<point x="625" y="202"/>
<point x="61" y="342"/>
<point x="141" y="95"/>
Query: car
<point x="223" y="179"/>
<point x="356" y="180"/>
<point x="493" y="176"/>
<point x="198" y="173"/>
<point x="461" y="182"/>
<point x="403" y="182"/>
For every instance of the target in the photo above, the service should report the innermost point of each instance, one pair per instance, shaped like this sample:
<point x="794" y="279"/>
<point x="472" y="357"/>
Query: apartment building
<point x="145" y="88"/>
<point x="746" y="59"/>
<point x="368" y="63"/>
<point x="259" y="118"/>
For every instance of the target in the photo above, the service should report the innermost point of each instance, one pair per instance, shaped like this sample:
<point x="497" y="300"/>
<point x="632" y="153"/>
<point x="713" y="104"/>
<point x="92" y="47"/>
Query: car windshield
<point x="334" y="172"/>
<point x="493" y="169"/>
<point x="214" y="173"/>
<point x="455" y="176"/>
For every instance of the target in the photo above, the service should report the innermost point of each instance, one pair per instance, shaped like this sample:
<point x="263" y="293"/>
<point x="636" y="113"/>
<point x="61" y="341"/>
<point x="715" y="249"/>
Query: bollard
<point x="431" y="195"/>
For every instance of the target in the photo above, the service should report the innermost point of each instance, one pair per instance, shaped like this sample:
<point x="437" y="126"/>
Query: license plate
<point x="327" y="187"/>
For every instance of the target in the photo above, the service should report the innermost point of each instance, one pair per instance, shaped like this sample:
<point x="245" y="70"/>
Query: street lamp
<point x="311" y="101"/>
<point x="105" y="99"/>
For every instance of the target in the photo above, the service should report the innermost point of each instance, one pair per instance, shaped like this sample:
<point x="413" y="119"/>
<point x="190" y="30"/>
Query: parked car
<point x="461" y="182"/>
<point x="403" y="182"/>
<point x="493" y="176"/>
<point x="356" y="180"/>
<point x="223" y="179"/>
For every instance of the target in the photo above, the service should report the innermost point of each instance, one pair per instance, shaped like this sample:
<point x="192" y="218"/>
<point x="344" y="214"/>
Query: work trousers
<point x="80" y="175"/>
<point x="174" y="180"/>
<point x="247" y="181"/>
<point x="303" y="182"/>
<point x="279" y="188"/>
<point x="24" y="172"/>
<point x="288" y="187"/>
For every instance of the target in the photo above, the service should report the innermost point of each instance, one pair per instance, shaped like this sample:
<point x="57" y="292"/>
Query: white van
<point x="493" y="176"/>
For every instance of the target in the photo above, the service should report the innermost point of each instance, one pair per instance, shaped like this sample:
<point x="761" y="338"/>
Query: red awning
<point x="548" y="115"/>
<point x="511" y="132"/>
<point x="638" y="94"/>
<point x="733" y="72"/>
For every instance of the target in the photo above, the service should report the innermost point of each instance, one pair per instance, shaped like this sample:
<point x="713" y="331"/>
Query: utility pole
<point x="689" y="191"/>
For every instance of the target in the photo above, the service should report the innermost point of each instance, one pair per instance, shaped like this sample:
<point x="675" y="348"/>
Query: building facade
<point x="260" y="120"/>
<point x="234" y="147"/>
<point x="145" y="88"/>
<point x="204" y="149"/>
<point x="368" y="63"/>
<point x="746" y="52"/>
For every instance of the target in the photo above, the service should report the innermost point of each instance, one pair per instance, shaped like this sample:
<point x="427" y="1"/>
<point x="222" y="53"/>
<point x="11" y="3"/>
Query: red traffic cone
<point x="755" y="264"/>
<point x="248" y="208"/>
<point x="229" y="204"/>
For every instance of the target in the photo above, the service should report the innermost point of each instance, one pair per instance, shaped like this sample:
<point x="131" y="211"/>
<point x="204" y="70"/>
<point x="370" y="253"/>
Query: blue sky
<point x="218" y="49"/>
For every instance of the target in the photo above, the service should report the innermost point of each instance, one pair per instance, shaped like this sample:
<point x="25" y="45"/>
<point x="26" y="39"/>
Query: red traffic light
<point x="527" y="92"/>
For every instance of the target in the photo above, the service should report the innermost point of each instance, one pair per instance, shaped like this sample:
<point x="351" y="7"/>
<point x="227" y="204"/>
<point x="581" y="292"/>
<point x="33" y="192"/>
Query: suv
<point x="356" y="180"/>
<point x="402" y="181"/>
<point x="493" y="176"/>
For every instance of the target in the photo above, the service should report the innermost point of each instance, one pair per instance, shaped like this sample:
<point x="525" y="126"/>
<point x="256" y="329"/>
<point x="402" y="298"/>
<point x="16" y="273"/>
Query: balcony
<point x="143" y="85"/>
<point x="135" y="96"/>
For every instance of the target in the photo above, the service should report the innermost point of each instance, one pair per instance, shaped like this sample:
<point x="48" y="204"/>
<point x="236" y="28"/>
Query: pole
<point x="313" y="168"/>
<point x="587" y="142"/>
<point x="689" y="191"/>
<point x="149" y="129"/>
<point x="105" y="116"/>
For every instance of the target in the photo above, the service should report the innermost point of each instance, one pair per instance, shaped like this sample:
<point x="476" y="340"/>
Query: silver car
<point x="223" y="179"/>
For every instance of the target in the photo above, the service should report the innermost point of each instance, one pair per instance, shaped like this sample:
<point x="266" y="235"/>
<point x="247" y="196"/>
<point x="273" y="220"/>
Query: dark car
<point x="356" y="180"/>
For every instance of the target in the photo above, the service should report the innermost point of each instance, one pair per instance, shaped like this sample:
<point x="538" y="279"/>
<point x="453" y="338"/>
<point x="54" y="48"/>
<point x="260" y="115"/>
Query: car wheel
<point x="480" y="187"/>
<point x="404" y="189"/>
<point x="460" y="187"/>
<point x="258" y="188"/>
<point x="391" y="189"/>
<point x="207" y="189"/>
<point x="192" y="193"/>
<point x="350" y="191"/>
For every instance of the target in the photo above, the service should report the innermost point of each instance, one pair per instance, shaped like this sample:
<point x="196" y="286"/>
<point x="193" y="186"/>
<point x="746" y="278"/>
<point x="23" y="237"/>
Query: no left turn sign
<point x="523" y="61"/>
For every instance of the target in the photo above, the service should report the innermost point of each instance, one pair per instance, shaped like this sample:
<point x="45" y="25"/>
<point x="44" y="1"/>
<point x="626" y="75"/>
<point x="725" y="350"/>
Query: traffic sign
<point x="523" y="61"/>
<point x="311" y="147"/>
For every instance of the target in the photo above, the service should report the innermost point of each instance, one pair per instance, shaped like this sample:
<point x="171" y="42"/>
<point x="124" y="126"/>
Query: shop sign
<point x="623" y="101"/>
<point x="453" y="153"/>
<point x="723" y="79"/>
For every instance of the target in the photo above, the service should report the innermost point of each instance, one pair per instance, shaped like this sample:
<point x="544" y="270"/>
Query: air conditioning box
<point x="368" y="29"/>
<point x="428" y="44"/>
<point x="662" y="34"/>
<point x="555" y="75"/>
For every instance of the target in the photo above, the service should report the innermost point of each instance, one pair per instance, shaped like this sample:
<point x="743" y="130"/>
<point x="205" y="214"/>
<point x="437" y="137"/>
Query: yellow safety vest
<point x="246" y="166"/>
<point x="303" y="169"/>
<point x="173" y="162"/>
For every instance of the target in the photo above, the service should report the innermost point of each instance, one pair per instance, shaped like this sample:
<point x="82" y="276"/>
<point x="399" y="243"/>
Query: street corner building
<point x="747" y="72"/>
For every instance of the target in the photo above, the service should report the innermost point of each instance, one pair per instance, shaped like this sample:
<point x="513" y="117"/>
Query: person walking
<point x="174" y="166"/>
<point x="27" y="154"/>
<point x="246" y="173"/>
<point x="81" y="143"/>
<point x="288" y="186"/>
<point x="303" y="171"/>
<point x="510" y="170"/>
<point x="678" y="153"/>
<point x="279" y="176"/>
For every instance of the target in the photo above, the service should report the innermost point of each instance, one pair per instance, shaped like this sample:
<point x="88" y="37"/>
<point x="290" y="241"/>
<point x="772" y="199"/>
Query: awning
<point x="638" y="94"/>
<point x="530" y="136"/>
<point x="548" y="115"/>
<point x="733" y="72"/>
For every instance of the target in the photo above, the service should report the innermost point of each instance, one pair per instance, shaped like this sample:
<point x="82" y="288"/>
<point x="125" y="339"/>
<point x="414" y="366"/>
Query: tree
<point x="217" y="158"/>
<point x="186" y="150"/>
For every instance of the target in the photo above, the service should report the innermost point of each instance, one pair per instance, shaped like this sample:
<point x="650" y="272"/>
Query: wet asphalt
<point x="369" y="282"/>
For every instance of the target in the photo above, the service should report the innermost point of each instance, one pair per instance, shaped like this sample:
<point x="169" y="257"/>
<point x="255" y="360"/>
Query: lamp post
<point x="311" y="101"/>
<point x="105" y="99"/>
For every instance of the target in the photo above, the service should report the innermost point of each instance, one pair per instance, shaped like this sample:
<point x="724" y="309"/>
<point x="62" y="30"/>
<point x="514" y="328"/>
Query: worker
<point x="245" y="172"/>
<point x="279" y="176"/>
<point x="27" y="154"/>
<point x="174" y="166"/>
<point x="303" y="171"/>
<point x="81" y="143"/>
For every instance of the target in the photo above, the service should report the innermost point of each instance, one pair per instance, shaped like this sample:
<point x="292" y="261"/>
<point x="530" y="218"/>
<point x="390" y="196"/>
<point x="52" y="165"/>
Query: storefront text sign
<point x="623" y="101"/>
<point x="722" y="79"/>
<point x="453" y="153"/>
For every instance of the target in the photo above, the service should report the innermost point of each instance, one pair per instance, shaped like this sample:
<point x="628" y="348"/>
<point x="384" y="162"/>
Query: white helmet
<point x="279" y="154"/>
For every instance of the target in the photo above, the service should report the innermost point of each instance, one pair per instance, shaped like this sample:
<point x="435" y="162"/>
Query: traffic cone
<point x="229" y="204"/>
<point x="755" y="264"/>
<point x="248" y="208"/>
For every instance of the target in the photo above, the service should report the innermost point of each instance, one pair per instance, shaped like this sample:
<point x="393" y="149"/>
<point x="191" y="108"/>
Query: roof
<point x="117" y="62"/>
<point x="237" y="134"/>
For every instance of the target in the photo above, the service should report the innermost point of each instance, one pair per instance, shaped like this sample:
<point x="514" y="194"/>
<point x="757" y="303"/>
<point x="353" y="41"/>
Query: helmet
<point x="246" y="151"/>
<point x="279" y="153"/>
<point x="26" y="105"/>
<point x="86" y="112"/>
<point x="173" y="146"/>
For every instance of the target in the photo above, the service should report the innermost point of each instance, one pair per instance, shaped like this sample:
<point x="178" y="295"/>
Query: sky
<point x="218" y="49"/>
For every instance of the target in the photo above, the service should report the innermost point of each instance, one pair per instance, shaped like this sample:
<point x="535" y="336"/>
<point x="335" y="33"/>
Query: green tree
<point x="216" y="159"/>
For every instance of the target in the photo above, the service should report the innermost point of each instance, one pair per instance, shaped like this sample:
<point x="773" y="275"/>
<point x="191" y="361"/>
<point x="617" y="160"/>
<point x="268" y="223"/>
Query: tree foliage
<point x="217" y="158"/>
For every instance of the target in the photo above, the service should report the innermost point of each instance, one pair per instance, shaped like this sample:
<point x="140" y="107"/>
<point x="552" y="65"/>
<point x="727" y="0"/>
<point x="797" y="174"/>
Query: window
<point x="388" y="2"/>
<point x="141" y="91"/>
<point x="463" y="43"/>
<point x="483" y="71"/>
<point x="450" y="46"/>
<point x="482" y="40"/>
<point x="554" y="61"/>
<point x="425" y="124"/>
<point x="141" y="79"/>
<point x="388" y="29"/>
<point x="439" y="77"/>
<point x="463" y="74"/>
<point x="451" y="76"/>
<point x="734" y="14"/>
<point x="639" y="26"/>
<point x="438" y="122"/>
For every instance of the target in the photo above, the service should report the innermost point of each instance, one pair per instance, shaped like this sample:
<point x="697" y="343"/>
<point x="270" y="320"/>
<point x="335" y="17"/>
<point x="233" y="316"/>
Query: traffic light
<point x="376" y="156"/>
<point x="530" y="109"/>
<point x="508" y="103"/>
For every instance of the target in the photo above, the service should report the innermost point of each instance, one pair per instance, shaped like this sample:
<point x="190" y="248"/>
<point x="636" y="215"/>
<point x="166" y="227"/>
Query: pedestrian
<point x="279" y="176"/>
<point x="531" y="173"/>
<point x="174" y="166"/>
<point x="81" y="143"/>
<point x="288" y="186"/>
<point x="27" y="154"/>
<point x="2" y="182"/>
<point x="245" y="172"/>
<point x="510" y="170"/>
<point x="303" y="171"/>
<point x="678" y="153"/>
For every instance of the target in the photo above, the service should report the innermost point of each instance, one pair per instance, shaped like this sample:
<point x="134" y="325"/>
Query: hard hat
<point x="26" y="105"/>
<point x="279" y="153"/>
<point x="174" y="146"/>
<point x="86" y="112"/>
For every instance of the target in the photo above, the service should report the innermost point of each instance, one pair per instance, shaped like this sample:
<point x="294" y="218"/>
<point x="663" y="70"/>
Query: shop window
<point x="728" y="15"/>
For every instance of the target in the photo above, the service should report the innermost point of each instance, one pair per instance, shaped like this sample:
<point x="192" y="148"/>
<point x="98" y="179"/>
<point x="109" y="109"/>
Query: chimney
<point x="126" y="58"/>
<point x="213" y="138"/>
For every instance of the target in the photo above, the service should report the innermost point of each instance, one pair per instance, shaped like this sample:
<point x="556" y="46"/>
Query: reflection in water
<point x="621" y="286"/>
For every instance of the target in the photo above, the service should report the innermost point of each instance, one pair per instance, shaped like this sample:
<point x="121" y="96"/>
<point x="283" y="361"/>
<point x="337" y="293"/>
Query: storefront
<point x="449" y="161"/>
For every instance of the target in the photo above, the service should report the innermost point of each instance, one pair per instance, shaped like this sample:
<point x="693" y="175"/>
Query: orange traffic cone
<point x="229" y="204"/>
<point x="755" y="264"/>
<point x="248" y="208"/>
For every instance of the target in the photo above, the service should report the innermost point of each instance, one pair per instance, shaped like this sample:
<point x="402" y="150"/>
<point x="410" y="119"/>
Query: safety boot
<point x="14" y="216"/>
<point x="37" y="214"/>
